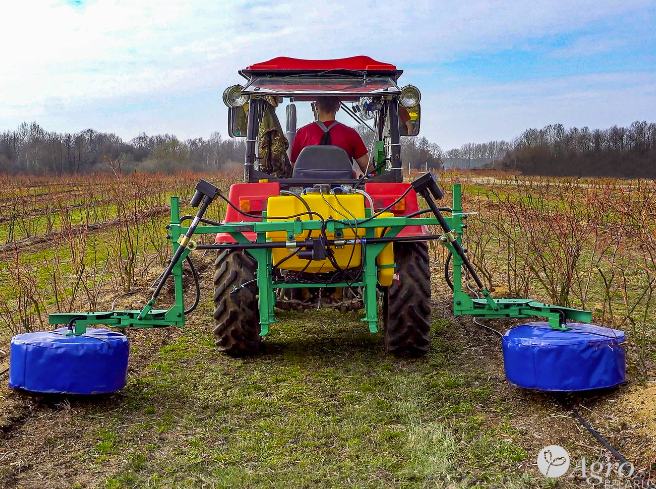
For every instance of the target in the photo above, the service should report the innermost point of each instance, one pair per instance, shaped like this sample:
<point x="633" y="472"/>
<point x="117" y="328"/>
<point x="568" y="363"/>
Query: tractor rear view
<point x="323" y="187"/>
<point x="320" y="234"/>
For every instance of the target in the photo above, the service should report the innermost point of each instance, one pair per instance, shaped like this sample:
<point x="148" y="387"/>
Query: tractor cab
<point x="323" y="187"/>
<point x="369" y="93"/>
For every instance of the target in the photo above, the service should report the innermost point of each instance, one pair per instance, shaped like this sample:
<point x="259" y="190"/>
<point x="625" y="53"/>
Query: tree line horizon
<point x="624" y="152"/>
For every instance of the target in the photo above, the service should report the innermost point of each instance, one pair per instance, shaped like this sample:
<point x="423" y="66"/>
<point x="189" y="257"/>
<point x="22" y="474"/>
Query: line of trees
<point x="419" y="153"/>
<point x="31" y="149"/>
<point x="493" y="150"/>
<point x="628" y="152"/>
<point x="625" y="152"/>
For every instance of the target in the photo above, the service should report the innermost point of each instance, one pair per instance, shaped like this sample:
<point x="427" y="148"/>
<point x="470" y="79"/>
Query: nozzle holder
<point x="428" y="183"/>
<point x="317" y="251"/>
<point x="204" y="189"/>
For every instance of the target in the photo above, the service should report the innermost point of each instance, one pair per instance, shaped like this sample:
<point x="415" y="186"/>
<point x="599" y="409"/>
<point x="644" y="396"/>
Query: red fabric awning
<point x="359" y="63"/>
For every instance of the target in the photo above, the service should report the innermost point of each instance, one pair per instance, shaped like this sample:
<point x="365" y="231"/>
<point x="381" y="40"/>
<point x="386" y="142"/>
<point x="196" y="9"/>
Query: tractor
<point x="318" y="234"/>
<point x="322" y="181"/>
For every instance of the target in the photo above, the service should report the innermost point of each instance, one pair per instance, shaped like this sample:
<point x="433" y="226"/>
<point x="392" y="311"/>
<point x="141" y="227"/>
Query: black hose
<point x="446" y="270"/>
<point x="71" y="323"/>
<point x="575" y="414"/>
<point x="353" y="230"/>
<point x="204" y="204"/>
<point x="309" y="231"/>
<point x="202" y="219"/>
<point x="4" y="371"/>
<point x="196" y="282"/>
<point x="311" y="213"/>
<point x="307" y="206"/>
<point x="373" y="216"/>
<point x="291" y="255"/>
<point x="255" y="216"/>
<point x="455" y="244"/>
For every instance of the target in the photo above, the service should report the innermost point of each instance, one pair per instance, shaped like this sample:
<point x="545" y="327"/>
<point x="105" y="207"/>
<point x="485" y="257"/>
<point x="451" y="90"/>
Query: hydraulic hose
<point x="194" y="273"/>
<point x="455" y="244"/>
<point x="446" y="270"/>
<point x="178" y="253"/>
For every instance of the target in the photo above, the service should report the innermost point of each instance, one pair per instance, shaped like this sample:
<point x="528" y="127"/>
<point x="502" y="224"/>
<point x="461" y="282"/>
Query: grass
<point x="323" y="407"/>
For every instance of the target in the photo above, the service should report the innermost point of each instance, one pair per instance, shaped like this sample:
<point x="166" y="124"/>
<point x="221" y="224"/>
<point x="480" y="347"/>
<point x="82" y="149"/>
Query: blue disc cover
<point x="535" y="356"/>
<point x="52" y="362"/>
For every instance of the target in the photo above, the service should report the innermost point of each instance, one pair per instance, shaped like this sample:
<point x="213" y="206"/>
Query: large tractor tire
<point x="407" y="308"/>
<point x="236" y="315"/>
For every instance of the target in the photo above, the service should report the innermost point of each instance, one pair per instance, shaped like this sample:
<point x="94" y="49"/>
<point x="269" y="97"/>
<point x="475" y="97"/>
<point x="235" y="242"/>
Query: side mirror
<point x="409" y="120"/>
<point x="238" y="121"/>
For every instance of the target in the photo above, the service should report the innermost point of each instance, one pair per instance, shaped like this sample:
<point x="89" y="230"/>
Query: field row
<point x="563" y="241"/>
<point x="33" y="207"/>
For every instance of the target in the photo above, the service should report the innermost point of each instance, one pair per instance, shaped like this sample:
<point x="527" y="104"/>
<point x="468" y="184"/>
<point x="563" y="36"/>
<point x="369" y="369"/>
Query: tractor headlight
<point x="233" y="97"/>
<point x="410" y="96"/>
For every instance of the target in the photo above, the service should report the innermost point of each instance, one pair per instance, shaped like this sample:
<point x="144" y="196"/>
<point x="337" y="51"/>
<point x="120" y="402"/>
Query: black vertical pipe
<point x="251" y="134"/>
<point x="395" y="138"/>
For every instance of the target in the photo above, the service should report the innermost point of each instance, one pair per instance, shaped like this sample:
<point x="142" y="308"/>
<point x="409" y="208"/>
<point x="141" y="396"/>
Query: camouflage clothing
<point x="273" y="145"/>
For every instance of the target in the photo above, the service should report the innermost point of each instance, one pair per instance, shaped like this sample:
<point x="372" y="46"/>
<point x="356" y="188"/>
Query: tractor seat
<point x="323" y="162"/>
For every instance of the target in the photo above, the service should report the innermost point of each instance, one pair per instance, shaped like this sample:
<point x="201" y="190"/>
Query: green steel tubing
<point x="463" y="304"/>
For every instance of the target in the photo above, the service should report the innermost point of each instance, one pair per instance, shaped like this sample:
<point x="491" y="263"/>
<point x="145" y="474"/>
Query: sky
<point x="486" y="69"/>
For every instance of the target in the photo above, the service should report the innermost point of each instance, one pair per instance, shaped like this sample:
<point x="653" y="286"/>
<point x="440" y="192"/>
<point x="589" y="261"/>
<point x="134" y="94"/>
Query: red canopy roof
<point x="360" y="63"/>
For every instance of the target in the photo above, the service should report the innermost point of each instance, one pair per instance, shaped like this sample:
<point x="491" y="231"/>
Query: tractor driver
<point x="326" y="130"/>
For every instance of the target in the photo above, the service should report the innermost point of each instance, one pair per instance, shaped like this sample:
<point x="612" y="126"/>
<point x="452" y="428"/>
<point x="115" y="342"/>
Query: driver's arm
<point x="363" y="162"/>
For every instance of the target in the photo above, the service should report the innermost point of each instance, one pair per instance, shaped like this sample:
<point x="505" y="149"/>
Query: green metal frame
<point x="488" y="307"/>
<point x="463" y="304"/>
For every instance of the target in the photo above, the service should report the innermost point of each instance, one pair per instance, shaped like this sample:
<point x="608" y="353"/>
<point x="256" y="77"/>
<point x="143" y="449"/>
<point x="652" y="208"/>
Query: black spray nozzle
<point x="427" y="183"/>
<point x="204" y="189"/>
<point x="317" y="251"/>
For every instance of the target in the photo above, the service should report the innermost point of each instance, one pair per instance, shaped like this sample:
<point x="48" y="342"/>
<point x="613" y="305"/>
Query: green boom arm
<point x="261" y="250"/>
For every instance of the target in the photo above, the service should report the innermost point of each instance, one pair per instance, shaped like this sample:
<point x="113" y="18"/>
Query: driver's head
<point x="327" y="105"/>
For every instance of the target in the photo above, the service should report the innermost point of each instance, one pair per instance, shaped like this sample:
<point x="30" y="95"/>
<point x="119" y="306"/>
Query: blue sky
<point x="487" y="69"/>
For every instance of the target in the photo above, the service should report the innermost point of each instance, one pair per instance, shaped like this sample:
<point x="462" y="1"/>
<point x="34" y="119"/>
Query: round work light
<point x="410" y="96"/>
<point x="233" y="97"/>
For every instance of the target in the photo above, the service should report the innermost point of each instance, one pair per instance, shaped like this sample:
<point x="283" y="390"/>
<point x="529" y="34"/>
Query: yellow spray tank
<point x="346" y="207"/>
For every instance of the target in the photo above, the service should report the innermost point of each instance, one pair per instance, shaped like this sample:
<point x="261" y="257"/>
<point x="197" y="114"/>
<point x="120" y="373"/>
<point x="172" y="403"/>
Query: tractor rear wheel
<point x="236" y="314"/>
<point x="407" y="309"/>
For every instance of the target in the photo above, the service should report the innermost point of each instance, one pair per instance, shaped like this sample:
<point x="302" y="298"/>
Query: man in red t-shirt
<point x="341" y="135"/>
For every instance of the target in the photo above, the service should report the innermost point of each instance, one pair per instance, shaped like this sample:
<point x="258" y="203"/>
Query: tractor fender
<point x="251" y="198"/>
<point x="383" y="194"/>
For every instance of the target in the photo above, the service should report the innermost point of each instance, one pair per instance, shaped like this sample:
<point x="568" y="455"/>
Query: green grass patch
<point x="323" y="406"/>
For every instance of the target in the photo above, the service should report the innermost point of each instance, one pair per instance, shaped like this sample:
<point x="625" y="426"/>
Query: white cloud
<point x="588" y="46"/>
<point x="103" y="52"/>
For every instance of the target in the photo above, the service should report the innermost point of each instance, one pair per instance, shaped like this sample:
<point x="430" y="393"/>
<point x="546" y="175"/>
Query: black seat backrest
<point x="323" y="162"/>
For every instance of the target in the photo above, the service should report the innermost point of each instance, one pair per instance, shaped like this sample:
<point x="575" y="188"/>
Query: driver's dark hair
<point x="328" y="104"/>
